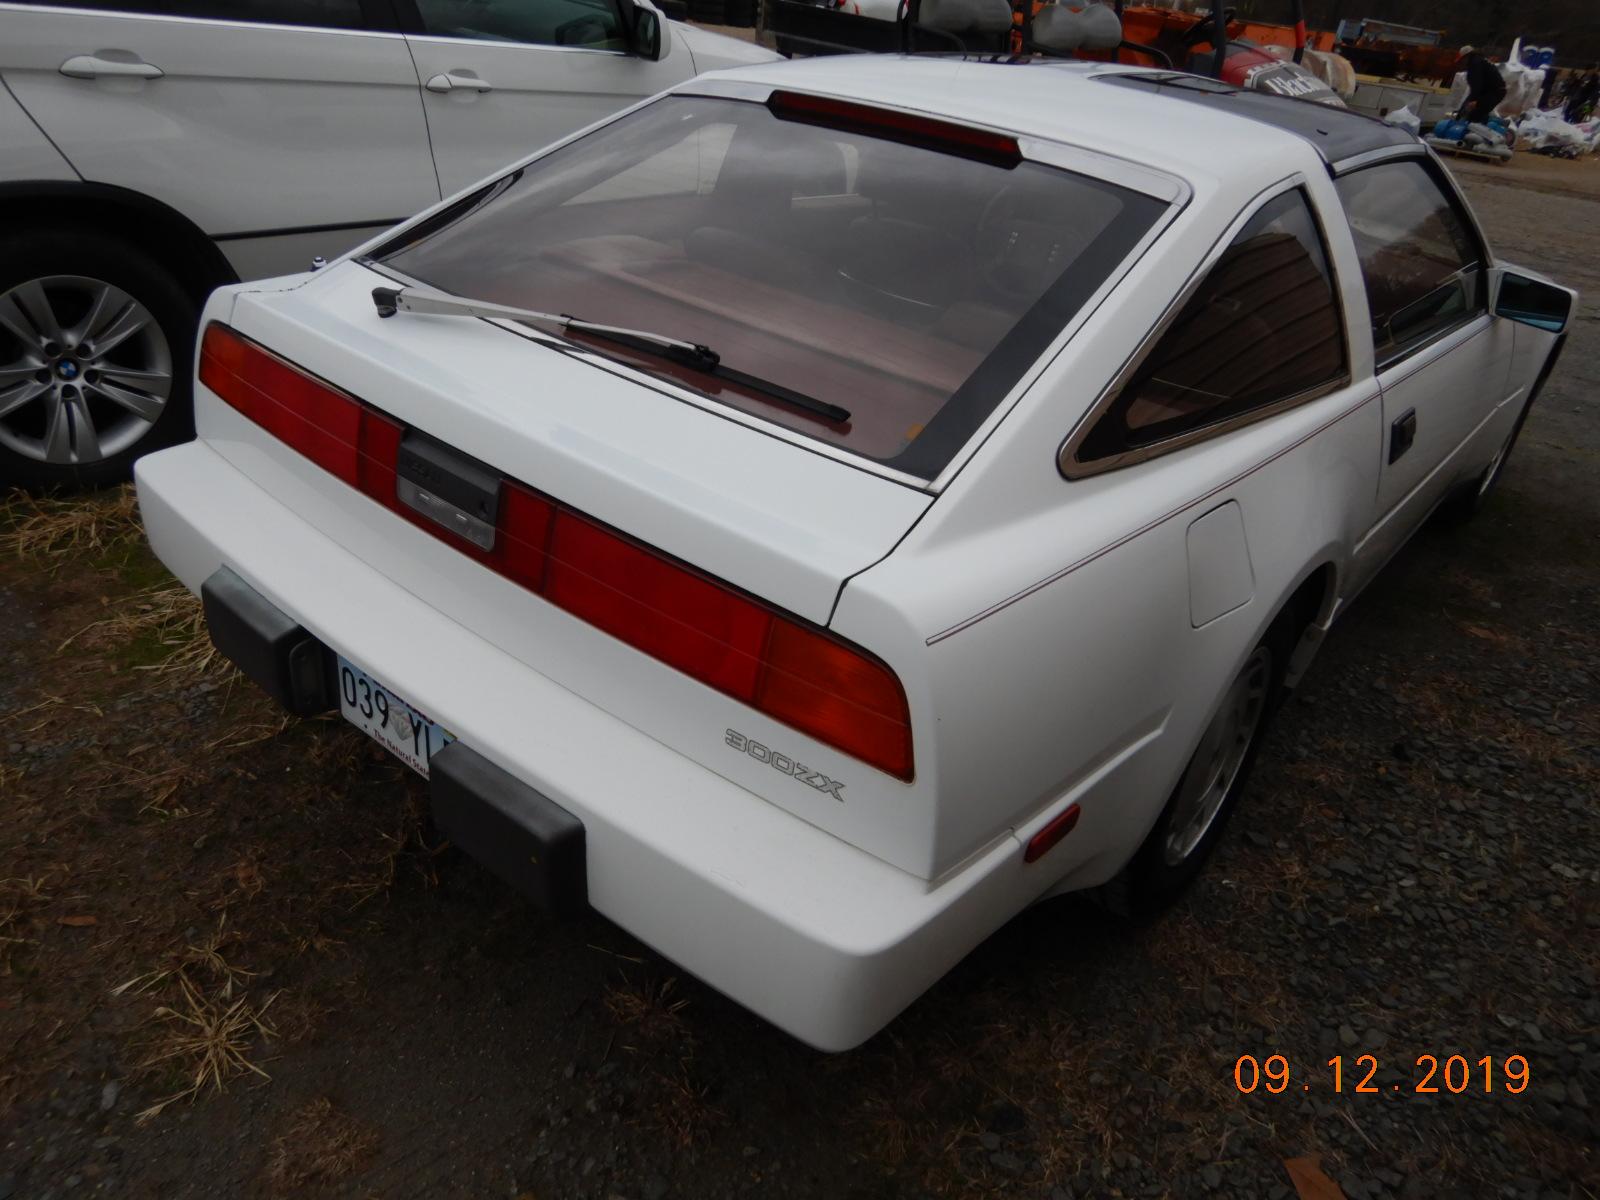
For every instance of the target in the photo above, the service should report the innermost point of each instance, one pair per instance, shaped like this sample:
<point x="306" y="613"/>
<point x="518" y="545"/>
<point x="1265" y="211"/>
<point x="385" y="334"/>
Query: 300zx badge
<point x="782" y="762"/>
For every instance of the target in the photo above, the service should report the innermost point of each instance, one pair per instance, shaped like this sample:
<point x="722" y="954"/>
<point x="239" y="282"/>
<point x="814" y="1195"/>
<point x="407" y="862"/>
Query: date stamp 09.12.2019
<point x="1453" y="1074"/>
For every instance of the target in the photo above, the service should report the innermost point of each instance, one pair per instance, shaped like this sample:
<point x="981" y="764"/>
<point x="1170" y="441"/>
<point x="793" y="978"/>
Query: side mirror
<point x="1531" y="301"/>
<point x="648" y="34"/>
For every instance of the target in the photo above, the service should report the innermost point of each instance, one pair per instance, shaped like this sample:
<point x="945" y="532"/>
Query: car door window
<point x="1422" y="263"/>
<point x="590" y="24"/>
<point x="316" y="14"/>
<point x="1264" y="328"/>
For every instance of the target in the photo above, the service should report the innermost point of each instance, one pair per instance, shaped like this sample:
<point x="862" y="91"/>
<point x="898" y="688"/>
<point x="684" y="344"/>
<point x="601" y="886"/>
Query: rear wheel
<point x="95" y="344"/>
<point x="1189" y="826"/>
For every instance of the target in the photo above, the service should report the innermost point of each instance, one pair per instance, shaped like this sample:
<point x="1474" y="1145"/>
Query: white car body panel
<point x="1060" y="641"/>
<point x="746" y="507"/>
<point x="26" y="150"/>
<point x="286" y="143"/>
<point x="711" y="491"/>
<point x="540" y="94"/>
<point x="250" y="128"/>
<point x="737" y="891"/>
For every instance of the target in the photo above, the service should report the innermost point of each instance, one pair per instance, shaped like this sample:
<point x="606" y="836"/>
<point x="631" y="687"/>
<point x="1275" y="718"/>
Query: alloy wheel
<point x="85" y="369"/>
<point x="1221" y="756"/>
<point x="1492" y="471"/>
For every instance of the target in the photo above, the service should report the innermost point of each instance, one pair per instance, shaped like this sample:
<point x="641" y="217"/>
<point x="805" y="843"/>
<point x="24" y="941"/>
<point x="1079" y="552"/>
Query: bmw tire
<point x="96" y="344"/>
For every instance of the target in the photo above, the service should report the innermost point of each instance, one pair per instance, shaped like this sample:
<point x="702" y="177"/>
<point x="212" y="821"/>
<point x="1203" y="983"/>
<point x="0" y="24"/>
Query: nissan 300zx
<point x="833" y="506"/>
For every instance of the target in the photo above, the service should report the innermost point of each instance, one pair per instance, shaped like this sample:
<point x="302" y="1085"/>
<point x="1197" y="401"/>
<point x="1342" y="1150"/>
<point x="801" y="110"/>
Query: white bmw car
<point x="832" y="506"/>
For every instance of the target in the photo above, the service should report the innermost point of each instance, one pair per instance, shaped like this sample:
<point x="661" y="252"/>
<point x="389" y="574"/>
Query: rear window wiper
<point x="690" y="354"/>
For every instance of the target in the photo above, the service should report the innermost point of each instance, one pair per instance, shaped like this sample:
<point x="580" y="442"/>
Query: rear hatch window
<point x="906" y="281"/>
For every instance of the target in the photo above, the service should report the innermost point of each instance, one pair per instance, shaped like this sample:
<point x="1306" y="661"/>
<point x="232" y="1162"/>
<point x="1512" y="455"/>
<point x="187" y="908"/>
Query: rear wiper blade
<point x="691" y="354"/>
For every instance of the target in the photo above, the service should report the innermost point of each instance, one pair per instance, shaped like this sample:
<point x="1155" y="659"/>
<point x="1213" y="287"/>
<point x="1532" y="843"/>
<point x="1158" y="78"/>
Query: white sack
<point x="1406" y="119"/>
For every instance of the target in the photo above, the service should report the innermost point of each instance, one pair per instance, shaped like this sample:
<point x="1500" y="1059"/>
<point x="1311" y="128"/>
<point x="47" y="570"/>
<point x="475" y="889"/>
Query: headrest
<point x="1057" y="27"/>
<point x="965" y="16"/>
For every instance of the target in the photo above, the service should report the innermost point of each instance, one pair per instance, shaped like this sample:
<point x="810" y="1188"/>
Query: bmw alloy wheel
<point x="85" y="370"/>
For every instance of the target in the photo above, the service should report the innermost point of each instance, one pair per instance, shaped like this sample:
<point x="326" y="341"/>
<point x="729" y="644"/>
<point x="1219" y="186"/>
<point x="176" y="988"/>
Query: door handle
<point x="92" y="66"/>
<point x="1402" y="433"/>
<point x="449" y="81"/>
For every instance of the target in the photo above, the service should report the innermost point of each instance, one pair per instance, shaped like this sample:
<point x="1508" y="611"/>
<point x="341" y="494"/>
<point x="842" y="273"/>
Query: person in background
<point x="1485" y="87"/>
<point x="1582" y="95"/>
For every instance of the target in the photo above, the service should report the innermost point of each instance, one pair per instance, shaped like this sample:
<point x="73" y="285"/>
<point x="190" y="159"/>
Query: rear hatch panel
<point x="781" y="522"/>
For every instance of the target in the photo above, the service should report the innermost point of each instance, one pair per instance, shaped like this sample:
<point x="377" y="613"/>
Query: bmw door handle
<point x="449" y="81"/>
<point x="92" y="66"/>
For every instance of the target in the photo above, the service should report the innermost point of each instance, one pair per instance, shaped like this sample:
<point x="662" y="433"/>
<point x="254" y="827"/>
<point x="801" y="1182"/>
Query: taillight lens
<point x="330" y="427"/>
<point x="802" y="676"/>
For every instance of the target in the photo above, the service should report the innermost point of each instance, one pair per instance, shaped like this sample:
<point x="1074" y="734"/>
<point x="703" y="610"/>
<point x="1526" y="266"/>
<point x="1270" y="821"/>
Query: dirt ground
<point x="235" y="960"/>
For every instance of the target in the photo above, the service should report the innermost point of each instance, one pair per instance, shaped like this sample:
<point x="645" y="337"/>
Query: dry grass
<point x="378" y="868"/>
<point x="208" y="1037"/>
<point x="321" y="1145"/>
<point x="167" y="622"/>
<point x="686" y="1114"/>
<point x="18" y="899"/>
<point x="56" y="528"/>
<point x="209" y="1028"/>
<point x="648" y="1011"/>
<point x="206" y="955"/>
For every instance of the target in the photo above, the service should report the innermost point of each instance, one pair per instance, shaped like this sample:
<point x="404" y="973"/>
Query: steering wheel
<point x="997" y="228"/>
<point x="1206" y="29"/>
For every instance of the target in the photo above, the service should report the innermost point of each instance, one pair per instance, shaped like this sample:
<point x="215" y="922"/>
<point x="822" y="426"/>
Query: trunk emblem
<point x="785" y="765"/>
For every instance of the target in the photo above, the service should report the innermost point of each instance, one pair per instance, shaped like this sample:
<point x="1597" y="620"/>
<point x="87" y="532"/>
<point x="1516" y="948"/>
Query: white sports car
<point x="832" y="506"/>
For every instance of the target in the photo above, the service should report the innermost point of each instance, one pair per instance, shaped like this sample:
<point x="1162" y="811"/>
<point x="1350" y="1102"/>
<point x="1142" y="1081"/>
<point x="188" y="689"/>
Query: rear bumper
<point x="823" y="940"/>
<point x="524" y="837"/>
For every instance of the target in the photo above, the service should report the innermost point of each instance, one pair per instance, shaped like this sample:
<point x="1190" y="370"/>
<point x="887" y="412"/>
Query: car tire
<point x="96" y="347"/>
<point x="1468" y="499"/>
<point x="1191" y="823"/>
<point x="1472" y="497"/>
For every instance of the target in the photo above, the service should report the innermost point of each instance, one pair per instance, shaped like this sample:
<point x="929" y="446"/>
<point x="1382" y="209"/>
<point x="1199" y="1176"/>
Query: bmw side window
<point x="1421" y="261"/>
<point x="1264" y="328"/>
<point x="317" y="14"/>
<point x="587" y="24"/>
<point x="321" y="14"/>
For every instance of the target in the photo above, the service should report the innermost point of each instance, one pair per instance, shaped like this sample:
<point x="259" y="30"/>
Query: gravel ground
<point x="1414" y="873"/>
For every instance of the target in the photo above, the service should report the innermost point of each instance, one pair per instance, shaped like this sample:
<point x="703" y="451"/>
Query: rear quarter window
<point x="1263" y="329"/>
<point x="909" y="286"/>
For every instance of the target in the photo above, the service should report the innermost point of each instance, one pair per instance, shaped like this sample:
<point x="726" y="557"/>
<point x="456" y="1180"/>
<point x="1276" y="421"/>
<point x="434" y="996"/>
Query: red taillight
<point x="685" y="619"/>
<point x="946" y="137"/>
<point x="330" y="427"/>
<point x="796" y="674"/>
<point x="836" y="694"/>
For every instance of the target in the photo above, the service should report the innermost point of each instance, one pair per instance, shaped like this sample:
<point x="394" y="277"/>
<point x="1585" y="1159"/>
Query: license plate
<point x="404" y="730"/>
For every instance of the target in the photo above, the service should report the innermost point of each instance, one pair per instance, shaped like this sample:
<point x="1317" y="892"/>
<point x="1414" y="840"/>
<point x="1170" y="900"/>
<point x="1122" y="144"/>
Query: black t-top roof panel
<point x="1337" y="133"/>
